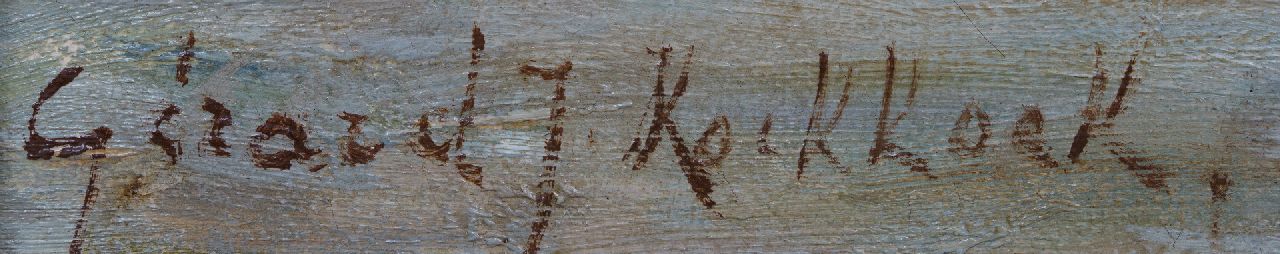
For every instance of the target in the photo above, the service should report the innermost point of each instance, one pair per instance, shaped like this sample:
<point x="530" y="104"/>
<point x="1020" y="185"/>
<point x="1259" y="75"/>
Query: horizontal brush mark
<point x="184" y="59"/>
<point x="959" y="143"/>
<point x="546" y="198"/>
<point x="763" y="142"/>
<point x="815" y="132"/>
<point x="353" y="153"/>
<point x="1028" y="137"/>
<point x="693" y="162"/>
<point x="1150" y="175"/>
<point x="279" y="124"/>
<point x="883" y="147"/>
<point x="90" y="196"/>
<point x="39" y="147"/>
<point x="171" y="147"/>
<point x="221" y="118"/>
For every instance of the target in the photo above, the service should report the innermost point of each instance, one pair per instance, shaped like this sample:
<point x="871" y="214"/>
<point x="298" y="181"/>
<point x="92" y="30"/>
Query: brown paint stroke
<point x="184" y="59"/>
<point x="657" y="100"/>
<point x="477" y="44"/>
<point x="692" y="162"/>
<point x="171" y="147"/>
<point x="763" y="142"/>
<point x="130" y="191"/>
<point x="221" y="118"/>
<point x="90" y="194"/>
<point x="910" y="94"/>
<point x="1093" y="106"/>
<point x="1150" y="175"/>
<point x="591" y="137"/>
<point x="546" y="197"/>
<point x="883" y="147"/>
<point x="815" y="132"/>
<point x="1028" y="137"/>
<point x="353" y="153"/>
<point x="39" y="147"/>
<point x="1219" y="183"/>
<point x="279" y="124"/>
<point x="424" y="146"/>
<point x="469" y="172"/>
<point x="959" y="143"/>
<point x="653" y="102"/>
<point x="1117" y="104"/>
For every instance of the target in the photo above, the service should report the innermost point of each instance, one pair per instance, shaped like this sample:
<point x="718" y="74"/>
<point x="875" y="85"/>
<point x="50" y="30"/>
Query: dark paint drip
<point x="90" y="196"/>
<point x="279" y="124"/>
<point x="959" y="143"/>
<point x="39" y="147"/>
<point x="763" y="142"/>
<point x="221" y="119"/>
<point x="1028" y="137"/>
<point x="184" y="59"/>
<point x="815" y="133"/>
<point x="353" y="153"/>
<point x="546" y="187"/>
<point x="171" y="147"/>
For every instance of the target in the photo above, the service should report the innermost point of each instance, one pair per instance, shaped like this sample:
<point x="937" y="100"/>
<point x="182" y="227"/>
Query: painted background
<point x="1200" y="113"/>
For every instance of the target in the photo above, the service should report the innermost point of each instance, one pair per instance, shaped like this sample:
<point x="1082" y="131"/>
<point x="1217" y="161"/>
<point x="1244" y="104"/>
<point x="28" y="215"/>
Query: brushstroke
<point x="424" y="146"/>
<point x="90" y="196"/>
<point x="763" y="142"/>
<point x="546" y="197"/>
<point x="353" y="153"/>
<point x="959" y="143"/>
<point x="1028" y="137"/>
<point x="171" y="147"/>
<point x="184" y="59"/>
<point x="692" y="162"/>
<point x="816" y="132"/>
<point x="221" y="119"/>
<point x="279" y="124"/>
<point x="39" y="147"/>
<point x="883" y="147"/>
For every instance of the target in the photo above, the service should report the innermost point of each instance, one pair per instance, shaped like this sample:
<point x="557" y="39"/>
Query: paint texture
<point x="618" y="127"/>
